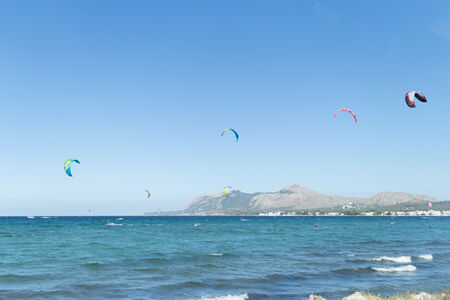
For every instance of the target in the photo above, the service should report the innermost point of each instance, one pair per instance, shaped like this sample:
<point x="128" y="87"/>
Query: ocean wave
<point x="210" y="266"/>
<point x="227" y="297"/>
<point x="147" y="270"/>
<point x="282" y="277"/>
<point x="43" y="294"/>
<point x="319" y="254"/>
<point x="183" y="285"/>
<point x="113" y="224"/>
<point x="407" y="268"/>
<point x="155" y="261"/>
<point x="356" y="261"/>
<point x="435" y="243"/>
<point x="220" y="254"/>
<point x="426" y="256"/>
<point x="23" y="278"/>
<point x="93" y="265"/>
<point x="399" y="259"/>
<point x="8" y="234"/>
<point x="352" y="271"/>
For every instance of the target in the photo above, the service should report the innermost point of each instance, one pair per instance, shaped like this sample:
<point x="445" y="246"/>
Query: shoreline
<point x="445" y="295"/>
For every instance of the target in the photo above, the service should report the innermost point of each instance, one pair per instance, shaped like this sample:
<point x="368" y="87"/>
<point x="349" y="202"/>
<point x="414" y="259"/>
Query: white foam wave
<point x="426" y="256"/>
<point x="228" y="297"/>
<point x="113" y="224"/>
<point x="399" y="259"/>
<point x="215" y="254"/>
<point x="407" y="268"/>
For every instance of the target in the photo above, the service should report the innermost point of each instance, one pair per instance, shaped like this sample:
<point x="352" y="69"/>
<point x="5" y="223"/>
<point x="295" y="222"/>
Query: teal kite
<point x="234" y="131"/>
<point x="68" y="165"/>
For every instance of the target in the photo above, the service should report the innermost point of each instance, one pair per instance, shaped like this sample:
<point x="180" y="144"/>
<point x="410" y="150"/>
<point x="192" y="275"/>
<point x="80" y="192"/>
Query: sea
<point x="221" y="257"/>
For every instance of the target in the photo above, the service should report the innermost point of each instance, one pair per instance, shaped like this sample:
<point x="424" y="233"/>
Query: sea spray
<point x="399" y="259"/>
<point x="407" y="268"/>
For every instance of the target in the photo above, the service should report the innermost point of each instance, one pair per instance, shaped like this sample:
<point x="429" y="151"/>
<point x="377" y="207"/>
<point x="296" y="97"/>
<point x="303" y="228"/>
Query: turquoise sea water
<point x="212" y="257"/>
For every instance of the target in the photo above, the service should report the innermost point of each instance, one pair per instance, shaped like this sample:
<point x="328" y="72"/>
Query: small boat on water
<point x="30" y="217"/>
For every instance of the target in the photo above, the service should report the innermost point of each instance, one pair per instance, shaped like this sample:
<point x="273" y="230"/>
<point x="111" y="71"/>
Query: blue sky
<point x="140" y="91"/>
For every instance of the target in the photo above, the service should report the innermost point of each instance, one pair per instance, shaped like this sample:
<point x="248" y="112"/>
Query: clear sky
<point x="139" y="92"/>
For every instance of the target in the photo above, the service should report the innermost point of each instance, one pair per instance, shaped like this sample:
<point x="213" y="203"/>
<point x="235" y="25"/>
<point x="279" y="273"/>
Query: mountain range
<point x="292" y="197"/>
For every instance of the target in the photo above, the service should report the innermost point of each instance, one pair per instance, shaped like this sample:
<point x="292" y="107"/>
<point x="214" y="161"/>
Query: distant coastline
<point x="417" y="213"/>
<point x="298" y="200"/>
<point x="280" y="213"/>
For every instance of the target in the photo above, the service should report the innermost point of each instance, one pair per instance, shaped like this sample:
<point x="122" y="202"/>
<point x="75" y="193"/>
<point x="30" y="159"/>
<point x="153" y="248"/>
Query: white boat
<point x="30" y="217"/>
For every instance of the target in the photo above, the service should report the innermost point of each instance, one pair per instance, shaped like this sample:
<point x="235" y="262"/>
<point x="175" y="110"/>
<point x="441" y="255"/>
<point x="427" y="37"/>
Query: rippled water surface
<point x="195" y="257"/>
